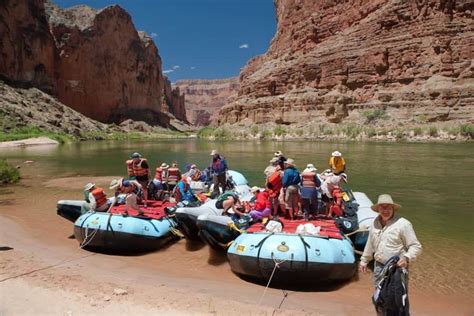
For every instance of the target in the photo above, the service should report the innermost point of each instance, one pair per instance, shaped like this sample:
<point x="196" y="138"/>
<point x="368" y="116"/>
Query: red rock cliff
<point x="329" y="60"/>
<point x="96" y="61"/>
<point x="204" y="98"/>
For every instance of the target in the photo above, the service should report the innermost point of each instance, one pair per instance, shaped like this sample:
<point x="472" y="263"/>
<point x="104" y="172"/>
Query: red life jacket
<point x="173" y="175"/>
<point x="99" y="197"/>
<point x="309" y="179"/>
<point x="262" y="202"/>
<point x="196" y="176"/>
<point x="159" y="174"/>
<point x="336" y="206"/>
<point x="130" y="171"/>
<point x="274" y="183"/>
<point x="177" y="191"/>
<point x="138" y="170"/>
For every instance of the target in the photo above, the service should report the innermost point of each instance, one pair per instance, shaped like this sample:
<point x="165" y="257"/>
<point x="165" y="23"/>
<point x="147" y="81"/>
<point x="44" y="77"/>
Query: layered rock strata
<point x="94" y="61"/>
<point x="333" y="61"/>
<point x="204" y="98"/>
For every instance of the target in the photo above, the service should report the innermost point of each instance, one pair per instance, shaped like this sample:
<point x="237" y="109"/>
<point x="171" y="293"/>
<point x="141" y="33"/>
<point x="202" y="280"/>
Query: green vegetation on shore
<point x="31" y="131"/>
<point x="351" y="131"/>
<point x="8" y="173"/>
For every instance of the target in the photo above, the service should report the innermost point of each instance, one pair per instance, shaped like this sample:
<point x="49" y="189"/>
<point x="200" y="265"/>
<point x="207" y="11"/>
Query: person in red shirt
<point x="262" y="205"/>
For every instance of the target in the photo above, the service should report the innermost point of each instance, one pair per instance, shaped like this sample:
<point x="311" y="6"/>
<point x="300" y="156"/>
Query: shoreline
<point x="182" y="278"/>
<point x="33" y="141"/>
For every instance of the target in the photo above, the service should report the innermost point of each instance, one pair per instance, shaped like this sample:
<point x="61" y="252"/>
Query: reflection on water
<point x="432" y="182"/>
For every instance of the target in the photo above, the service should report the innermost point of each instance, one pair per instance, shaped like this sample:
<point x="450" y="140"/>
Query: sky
<point x="200" y="39"/>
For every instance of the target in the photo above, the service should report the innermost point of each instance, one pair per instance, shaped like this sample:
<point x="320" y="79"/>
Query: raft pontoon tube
<point x="70" y="209"/>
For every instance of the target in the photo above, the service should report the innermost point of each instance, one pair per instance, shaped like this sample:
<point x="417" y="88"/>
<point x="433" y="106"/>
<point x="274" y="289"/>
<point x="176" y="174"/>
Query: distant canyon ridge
<point x="93" y="61"/>
<point x="336" y="61"/>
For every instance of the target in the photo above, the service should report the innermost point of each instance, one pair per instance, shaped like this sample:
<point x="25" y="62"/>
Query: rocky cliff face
<point x="96" y="61"/>
<point x="204" y="98"/>
<point x="331" y="61"/>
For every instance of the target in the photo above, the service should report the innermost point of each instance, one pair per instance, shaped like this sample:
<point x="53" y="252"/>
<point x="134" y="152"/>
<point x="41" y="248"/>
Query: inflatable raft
<point x="70" y="209"/>
<point x="302" y="259"/>
<point x="131" y="233"/>
<point x="365" y="217"/>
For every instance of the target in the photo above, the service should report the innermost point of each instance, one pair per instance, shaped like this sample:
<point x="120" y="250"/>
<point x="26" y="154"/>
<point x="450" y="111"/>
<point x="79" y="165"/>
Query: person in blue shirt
<point x="291" y="180"/>
<point x="218" y="172"/>
<point x="183" y="191"/>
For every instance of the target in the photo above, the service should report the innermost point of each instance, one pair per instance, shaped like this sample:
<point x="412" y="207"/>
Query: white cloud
<point x="192" y="67"/>
<point x="176" y="67"/>
<point x="153" y="35"/>
<point x="168" y="71"/>
<point x="244" y="45"/>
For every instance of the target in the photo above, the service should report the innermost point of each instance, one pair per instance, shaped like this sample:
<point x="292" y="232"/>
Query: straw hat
<point x="114" y="184"/>
<point x="89" y="186"/>
<point x="385" y="199"/>
<point x="278" y="153"/>
<point x="336" y="154"/>
<point x="214" y="152"/>
<point x="290" y="162"/>
<point x="254" y="189"/>
<point x="310" y="168"/>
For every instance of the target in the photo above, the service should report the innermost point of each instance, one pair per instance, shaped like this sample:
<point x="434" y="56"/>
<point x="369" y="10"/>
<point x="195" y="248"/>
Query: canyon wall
<point x="94" y="61"/>
<point x="331" y="61"/>
<point x="204" y="98"/>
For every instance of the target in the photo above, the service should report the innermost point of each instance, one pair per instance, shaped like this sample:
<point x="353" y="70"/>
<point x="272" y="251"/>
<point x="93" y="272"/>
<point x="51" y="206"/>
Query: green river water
<point x="433" y="183"/>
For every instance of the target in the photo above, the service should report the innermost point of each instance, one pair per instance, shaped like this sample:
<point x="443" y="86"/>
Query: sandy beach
<point x="35" y="141"/>
<point x="45" y="272"/>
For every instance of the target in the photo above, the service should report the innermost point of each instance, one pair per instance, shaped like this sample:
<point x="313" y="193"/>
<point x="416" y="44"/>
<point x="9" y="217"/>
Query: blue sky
<point x="200" y="39"/>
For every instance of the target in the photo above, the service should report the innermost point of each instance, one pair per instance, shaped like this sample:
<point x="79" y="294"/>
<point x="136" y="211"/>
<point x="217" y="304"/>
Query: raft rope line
<point x="277" y="265"/>
<point x="85" y="242"/>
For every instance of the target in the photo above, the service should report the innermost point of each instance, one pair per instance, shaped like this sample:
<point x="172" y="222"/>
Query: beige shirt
<point x="269" y="171"/>
<point x="397" y="238"/>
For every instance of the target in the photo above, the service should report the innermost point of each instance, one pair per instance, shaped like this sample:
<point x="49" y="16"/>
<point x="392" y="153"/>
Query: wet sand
<point x="47" y="273"/>
<point x="35" y="141"/>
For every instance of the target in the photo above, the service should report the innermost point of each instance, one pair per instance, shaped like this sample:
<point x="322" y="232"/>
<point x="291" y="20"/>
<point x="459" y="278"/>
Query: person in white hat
<point x="390" y="235"/>
<point x="270" y="169"/>
<point x="337" y="163"/>
<point x="291" y="180"/>
<point x="261" y="207"/>
<point x="219" y="173"/>
<point x="310" y="185"/>
<point x="95" y="199"/>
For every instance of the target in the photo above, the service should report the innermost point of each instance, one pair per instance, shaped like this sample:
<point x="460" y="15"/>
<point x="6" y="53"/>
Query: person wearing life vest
<point x="270" y="169"/>
<point x="218" y="172"/>
<point x="183" y="191"/>
<point x="157" y="185"/>
<point x="138" y="169"/>
<point x="335" y="210"/>
<point x="96" y="200"/>
<point x="261" y="208"/>
<point x="133" y="192"/>
<point x="194" y="174"/>
<point x="291" y="180"/>
<point x="174" y="175"/>
<point x="337" y="164"/>
<point x="330" y="182"/>
<point x="310" y="185"/>
<point x="274" y="187"/>
<point x="229" y="201"/>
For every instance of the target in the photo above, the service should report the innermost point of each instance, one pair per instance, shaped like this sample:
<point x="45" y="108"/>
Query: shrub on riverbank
<point x="31" y="131"/>
<point x="8" y="173"/>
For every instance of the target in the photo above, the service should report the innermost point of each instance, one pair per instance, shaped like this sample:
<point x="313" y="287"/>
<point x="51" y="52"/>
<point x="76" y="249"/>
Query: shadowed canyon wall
<point x="204" y="98"/>
<point x="94" y="61"/>
<point x="330" y="61"/>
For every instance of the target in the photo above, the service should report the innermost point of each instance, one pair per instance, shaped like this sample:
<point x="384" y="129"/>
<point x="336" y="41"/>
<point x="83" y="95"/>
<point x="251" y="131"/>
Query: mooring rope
<point x="277" y="265"/>
<point x="85" y="242"/>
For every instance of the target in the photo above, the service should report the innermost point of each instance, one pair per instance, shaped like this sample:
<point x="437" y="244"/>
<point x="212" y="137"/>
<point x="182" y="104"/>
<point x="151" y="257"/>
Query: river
<point x="433" y="182"/>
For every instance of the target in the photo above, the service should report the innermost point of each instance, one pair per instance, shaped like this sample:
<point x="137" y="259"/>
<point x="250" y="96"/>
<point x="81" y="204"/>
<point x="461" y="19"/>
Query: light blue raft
<point x="126" y="234"/>
<point x="302" y="260"/>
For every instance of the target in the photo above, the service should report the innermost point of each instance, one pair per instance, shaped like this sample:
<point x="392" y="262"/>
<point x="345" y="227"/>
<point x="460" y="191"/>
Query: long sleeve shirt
<point x="397" y="238"/>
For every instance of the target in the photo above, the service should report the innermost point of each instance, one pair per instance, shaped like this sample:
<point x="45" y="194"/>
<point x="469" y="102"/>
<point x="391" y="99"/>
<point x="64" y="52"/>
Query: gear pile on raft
<point x="297" y="227"/>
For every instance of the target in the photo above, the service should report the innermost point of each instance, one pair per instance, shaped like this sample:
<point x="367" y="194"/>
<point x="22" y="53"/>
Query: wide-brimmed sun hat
<point x="290" y="162"/>
<point x="336" y="154"/>
<point x="114" y="184"/>
<point x="385" y="199"/>
<point x="278" y="153"/>
<point x="164" y="165"/>
<point x="214" y="152"/>
<point x="310" y="168"/>
<point x="89" y="186"/>
<point x="193" y="166"/>
<point x="136" y="155"/>
<point x="254" y="189"/>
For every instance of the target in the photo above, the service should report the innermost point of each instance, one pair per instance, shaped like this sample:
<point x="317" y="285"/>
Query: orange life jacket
<point x="99" y="197"/>
<point x="274" y="183"/>
<point x="130" y="168"/>
<point x="138" y="170"/>
<point x="196" y="176"/>
<point x="309" y="179"/>
<point x="159" y="174"/>
<point x="336" y="206"/>
<point x="173" y="175"/>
